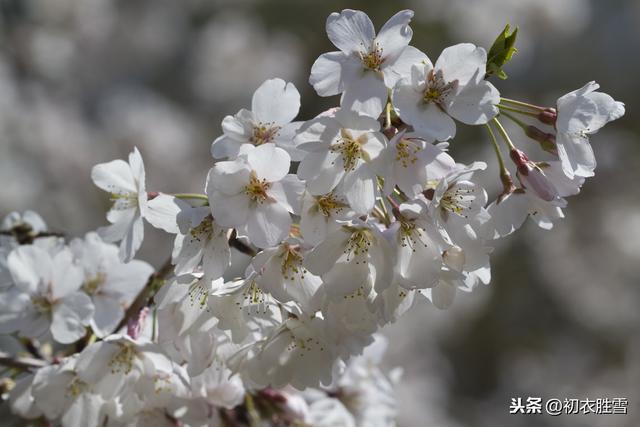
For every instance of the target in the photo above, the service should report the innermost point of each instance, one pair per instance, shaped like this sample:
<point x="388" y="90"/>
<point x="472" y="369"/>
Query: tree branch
<point x="146" y="294"/>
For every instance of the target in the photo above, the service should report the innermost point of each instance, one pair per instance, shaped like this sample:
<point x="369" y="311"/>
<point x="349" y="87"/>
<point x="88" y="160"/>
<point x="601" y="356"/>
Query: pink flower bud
<point x="136" y="324"/>
<point x="532" y="178"/>
<point x="548" y="116"/>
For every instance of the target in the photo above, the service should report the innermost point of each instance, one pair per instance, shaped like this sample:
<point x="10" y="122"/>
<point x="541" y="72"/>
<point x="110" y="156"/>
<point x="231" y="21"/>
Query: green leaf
<point x="501" y="52"/>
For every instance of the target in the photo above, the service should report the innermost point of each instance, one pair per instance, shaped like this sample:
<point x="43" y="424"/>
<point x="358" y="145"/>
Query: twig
<point x="234" y="242"/>
<point x="146" y="294"/>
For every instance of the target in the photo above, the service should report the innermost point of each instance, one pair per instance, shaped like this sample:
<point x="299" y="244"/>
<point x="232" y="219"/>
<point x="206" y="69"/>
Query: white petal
<point x="427" y="119"/>
<point x="463" y="62"/>
<point x="395" y="35"/>
<point x="228" y="177"/>
<point x="225" y="147"/>
<point x="324" y="256"/>
<point x="508" y="215"/>
<point x="187" y="253"/>
<point x="30" y="266"/>
<point x="132" y="239"/>
<point x="585" y="110"/>
<point x="350" y="31"/>
<point x="137" y="169"/>
<point x="107" y="315"/>
<point x="475" y="104"/>
<point x="285" y="140"/>
<point x="216" y="256"/>
<point x="67" y="276"/>
<point x="162" y="212"/>
<point x="268" y="224"/>
<point x="360" y="189"/>
<point x="229" y="211"/>
<point x="276" y="101"/>
<point x="366" y="94"/>
<point x="443" y="294"/>
<point x="85" y="411"/>
<point x="344" y="278"/>
<point x="576" y="155"/>
<point x="288" y="192"/>
<point x="69" y="317"/>
<point x="401" y="67"/>
<point x="314" y="163"/>
<point x="329" y="72"/>
<point x="239" y="127"/>
<point x="114" y="176"/>
<point x="269" y="162"/>
<point x="121" y="220"/>
<point x="126" y="280"/>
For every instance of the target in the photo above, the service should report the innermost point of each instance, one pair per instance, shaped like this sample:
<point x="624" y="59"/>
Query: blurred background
<point x="83" y="81"/>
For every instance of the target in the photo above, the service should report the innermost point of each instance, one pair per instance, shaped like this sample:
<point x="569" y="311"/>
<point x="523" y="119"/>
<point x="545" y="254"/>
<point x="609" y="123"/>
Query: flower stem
<point x="191" y="196"/>
<point x="517" y="110"/>
<point x="516" y="120"/>
<point x="504" y="134"/>
<point x="496" y="148"/>
<point x="505" y="176"/>
<point x="522" y="104"/>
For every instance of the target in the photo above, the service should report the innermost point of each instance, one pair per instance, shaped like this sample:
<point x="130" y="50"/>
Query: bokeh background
<point x="83" y="81"/>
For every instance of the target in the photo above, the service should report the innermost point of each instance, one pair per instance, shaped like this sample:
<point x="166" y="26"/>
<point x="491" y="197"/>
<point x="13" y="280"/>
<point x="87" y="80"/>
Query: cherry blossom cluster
<point x="347" y="220"/>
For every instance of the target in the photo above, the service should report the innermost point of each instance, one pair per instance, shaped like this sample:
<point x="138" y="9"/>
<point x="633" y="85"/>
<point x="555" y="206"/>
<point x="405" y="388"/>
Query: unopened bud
<point x="521" y="161"/>
<point x="136" y="324"/>
<point x="547" y="140"/>
<point x="548" y="116"/>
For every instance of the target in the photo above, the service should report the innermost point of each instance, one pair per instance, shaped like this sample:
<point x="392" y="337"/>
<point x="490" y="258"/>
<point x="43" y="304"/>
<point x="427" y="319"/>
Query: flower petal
<point x="269" y="162"/>
<point x="114" y="177"/>
<point x="366" y="94"/>
<point x="475" y="104"/>
<point x="350" y="31"/>
<point x="268" y="224"/>
<point x="276" y="101"/>
<point x="69" y="317"/>
<point x="395" y="35"/>
<point x="463" y="62"/>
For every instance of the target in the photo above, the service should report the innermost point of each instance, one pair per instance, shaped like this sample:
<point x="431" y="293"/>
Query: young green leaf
<point x="501" y="52"/>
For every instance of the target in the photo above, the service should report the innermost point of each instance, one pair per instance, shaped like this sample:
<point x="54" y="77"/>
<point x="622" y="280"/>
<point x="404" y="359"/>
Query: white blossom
<point x="125" y="182"/>
<point x="274" y="106"/>
<point x="47" y="295"/>
<point x="111" y="284"/>
<point x="255" y="194"/>
<point x="454" y="88"/>
<point x="342" y="149"/>
<point x="582" y="113"/>
<point x="366" y="64"/>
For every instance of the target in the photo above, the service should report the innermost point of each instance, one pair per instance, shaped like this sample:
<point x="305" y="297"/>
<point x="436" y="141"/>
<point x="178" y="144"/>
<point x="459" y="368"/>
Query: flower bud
<point x="548" y="116"/>
<point x="136" y="324"/>
<point x="547" y="140"/>
<point x="532" y="178"/>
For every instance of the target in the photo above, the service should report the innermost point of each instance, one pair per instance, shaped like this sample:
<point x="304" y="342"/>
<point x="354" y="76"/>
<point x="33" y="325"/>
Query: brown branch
<point x="147" y="293"/>
<point x="238" y="244"/>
